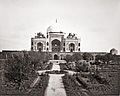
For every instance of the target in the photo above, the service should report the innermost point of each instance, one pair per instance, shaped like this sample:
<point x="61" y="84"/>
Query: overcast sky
<point x="97" y="22"/>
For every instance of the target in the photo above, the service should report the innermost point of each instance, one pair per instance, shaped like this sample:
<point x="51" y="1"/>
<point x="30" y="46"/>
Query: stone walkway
<point x="55" y="85"/>
<point x="55" y="66"/>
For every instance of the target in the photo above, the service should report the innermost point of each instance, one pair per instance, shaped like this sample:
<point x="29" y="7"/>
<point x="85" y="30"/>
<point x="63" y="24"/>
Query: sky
<point x="96" y="22"/>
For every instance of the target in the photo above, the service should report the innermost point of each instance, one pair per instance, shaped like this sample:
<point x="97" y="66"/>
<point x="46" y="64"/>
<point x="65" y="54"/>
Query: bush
<point x="21" y="65"/>
<point x="87" y="56"/>
<point x="83" y="66"/>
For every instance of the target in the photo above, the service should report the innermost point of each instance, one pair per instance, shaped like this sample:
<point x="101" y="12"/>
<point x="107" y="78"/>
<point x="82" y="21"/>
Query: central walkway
<point x="55" y="67"/>
<point x="55" y="85"/>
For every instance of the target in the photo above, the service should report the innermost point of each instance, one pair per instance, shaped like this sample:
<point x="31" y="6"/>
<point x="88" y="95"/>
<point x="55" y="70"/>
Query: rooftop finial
<point x="56" y="20"/>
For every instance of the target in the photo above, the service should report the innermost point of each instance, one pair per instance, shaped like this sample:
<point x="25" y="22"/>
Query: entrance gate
<point x="56" y="57"/>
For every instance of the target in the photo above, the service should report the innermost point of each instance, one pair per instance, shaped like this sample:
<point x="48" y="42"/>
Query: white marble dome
<point x="54" y="28"/>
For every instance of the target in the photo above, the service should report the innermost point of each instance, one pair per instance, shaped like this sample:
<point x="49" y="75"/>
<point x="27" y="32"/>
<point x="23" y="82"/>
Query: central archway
<point x="55" y="45"/>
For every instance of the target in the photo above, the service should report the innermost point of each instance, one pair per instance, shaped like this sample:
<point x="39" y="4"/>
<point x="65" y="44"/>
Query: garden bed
<point x="63" y="66"/>
<point x="66" y="66"/>
<point x="73" y="87"/>
<point x="104" y="89"/>
<point x="40" y="87"/>
<point x="26" y="90"/>
<point x="10" y="88"/>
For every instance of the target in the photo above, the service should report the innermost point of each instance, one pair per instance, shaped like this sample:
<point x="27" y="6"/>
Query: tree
<point x="87" y="56"/>
<point x="22" y="65"/>
<point x="76" y="57"/>
<point x="16" y="69"/>
<point x="113" y="51"/>
<point x="68" y="58"/>
<point x="38" y="59"/>
<point x="99" y="58"/>
<point x="82" y="66"/>
<point x="47" y="57"/>
<point x="109" y="57"/>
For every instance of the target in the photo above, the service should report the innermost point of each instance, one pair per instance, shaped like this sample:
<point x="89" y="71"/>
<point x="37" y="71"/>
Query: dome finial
<point x="56" y="20"/>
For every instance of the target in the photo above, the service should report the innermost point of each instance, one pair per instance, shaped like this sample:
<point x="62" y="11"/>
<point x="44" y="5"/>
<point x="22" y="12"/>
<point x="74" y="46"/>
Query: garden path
<point x="55" y="85"/>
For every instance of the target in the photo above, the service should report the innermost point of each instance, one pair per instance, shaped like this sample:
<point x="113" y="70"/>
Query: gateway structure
<point x="55" y="41"/>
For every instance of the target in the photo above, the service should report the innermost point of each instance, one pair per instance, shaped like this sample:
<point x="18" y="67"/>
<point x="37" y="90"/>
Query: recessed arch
<point x="56" y="45"/>
<point x="72" y="47"/>
<point x="56" y="57"/>
<point x="39" y="46"/>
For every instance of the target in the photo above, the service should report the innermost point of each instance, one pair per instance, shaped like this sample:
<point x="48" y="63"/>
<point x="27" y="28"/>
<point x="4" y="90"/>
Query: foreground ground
<point x="85" y="84"/>
<point x="57" y="82"/>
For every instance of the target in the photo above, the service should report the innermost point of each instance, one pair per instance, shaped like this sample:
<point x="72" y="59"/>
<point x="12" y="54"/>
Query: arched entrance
<point x="72" y="47"/>
<point x="39" y="46"/>
<point x="56" y="57"/>
<point x="55" y="45"/>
